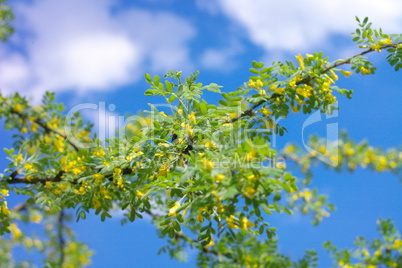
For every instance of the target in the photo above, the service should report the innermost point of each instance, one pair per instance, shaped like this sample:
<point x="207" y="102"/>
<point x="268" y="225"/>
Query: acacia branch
<point x="307" y="79"/>
<point x="46" y="128"/>
<point x="60" y="237"/>
<point x="15" y="179"/>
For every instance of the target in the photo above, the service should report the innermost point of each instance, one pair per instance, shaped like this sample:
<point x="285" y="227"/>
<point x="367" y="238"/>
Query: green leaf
<point x="148" y="78"/>
<point x="226" y="96"/>
<point x="261" y="230"/>
<point x="224" y="103"/>
<point x="156" y="80"/>
<point x="149" y="92"/>
<point x="213" y="88"/>
<point x="172" y="98"/>
<point x="176" y="226"/>
<point x="203" y="108"/>
<point x="365" y="20"/>
<point x="254" y="71"/>
<point x="257" y="65"/>
<point x="169" y="86"/>
<point x="277" y="208"/>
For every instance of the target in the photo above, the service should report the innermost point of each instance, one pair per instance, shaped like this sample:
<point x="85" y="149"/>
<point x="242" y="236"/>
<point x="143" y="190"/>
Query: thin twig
<point x="61" y="238"/>
<point x="46" y="128"/>
<point x="14" y="179"/>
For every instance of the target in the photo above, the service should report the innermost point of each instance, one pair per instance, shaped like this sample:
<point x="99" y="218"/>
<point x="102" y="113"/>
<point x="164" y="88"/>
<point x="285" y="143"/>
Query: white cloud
<point x="81" y="45"/>
<point x="223" y="58"/>
<point x="294" y="25"/>
<point x="210" y="6"/>
<point x="164" y="37"/>
<point x="13" y="70"/>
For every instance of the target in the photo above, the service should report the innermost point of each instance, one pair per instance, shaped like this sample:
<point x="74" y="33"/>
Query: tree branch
<point x="249" y="111"/>
<point x="60" y="237"/>
<point x="15" y="180"/>
<point x="46" y="128"/>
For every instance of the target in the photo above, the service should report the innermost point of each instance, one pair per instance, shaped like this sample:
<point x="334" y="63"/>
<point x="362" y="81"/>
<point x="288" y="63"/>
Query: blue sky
<point x="98" y="50"/>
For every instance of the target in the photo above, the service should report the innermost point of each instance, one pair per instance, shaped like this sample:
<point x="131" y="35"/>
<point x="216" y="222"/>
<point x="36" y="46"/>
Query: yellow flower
<point x="117" y="172"/>
<point x="303" y="91"/>
<point x="63" y="186"/>
<point x="345" y="73"/>
<point x="53" y="123"/>
<point x="4" y="209"/>
<point x="15" y="231"/>
<point x="208" y="164"/>
<point x="210" y="244"/>
<point x="80" y="191"/>
<point x="4" y="192"/>
<point x="365" y="253"/>
<point x="19" y="158"/>
<point x="266" y="111"/>
<point x="180" y="111"/>
<point x="376" y="47"/>
<point x="163" y="170"/>
<point x="295" y="109"/>
<point x="120" y="183"/>
<point x="18" y="108"/>
<point x="220" y="208"/>
<point x="59" y="144"/>
<point x="252" y="177"/>
<point x="219" y="178"/>
<point x="292" y="83"/>
<point x="105" y="193"/>
<point x="34" y="127"/>
<point x="397" y="244"/>
<point x="257" y="84"/>
<point x="98" y="176"/>
<point x="173" y="210"/>
<point x="95" y="202"/>
<point x="245" y="223"/>
<point x="387" y="41"/>
<point x="99" y="153"/>
<point x="251" y="83"/>
<point x="307" y="195"/>
<point x="188" y="128"/>
<point x="231" y="221"/>
<point x="139" y="194"/>
<point x="250" y="156"/>
<point x="281" y="165"/>
<point x="36" y="218"/>
<point x="210" y="144"/>
<point x="199" y="217"/>
<point x="249" y="192"/>
<point x="333" y="75"/>
<point x="365" y="71"/>
<point x="300" y="60"/>
<point x="191" y="118"/>
<point x="29" y="167"/>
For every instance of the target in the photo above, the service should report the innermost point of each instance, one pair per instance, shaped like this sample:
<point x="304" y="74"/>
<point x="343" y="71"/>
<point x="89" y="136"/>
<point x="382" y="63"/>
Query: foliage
<point x="204" y="172"/>
<point x="6" y="16"/>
